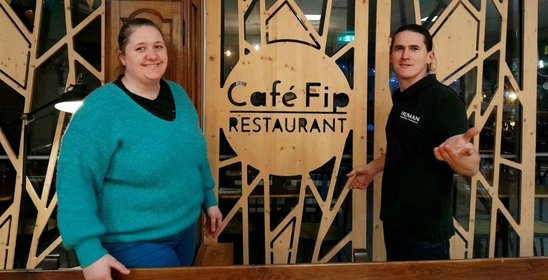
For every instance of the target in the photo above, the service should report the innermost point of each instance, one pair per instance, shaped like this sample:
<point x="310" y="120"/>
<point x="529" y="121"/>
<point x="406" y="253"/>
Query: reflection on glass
<point x="431" y="10"/>
<point x="50" y="82"/>
<point x="341" y="27"/>
<point x="487" y="147"/>
<point x="252" y="25"/>
<point x="402" y="13"/>
<point x="476" y="4"/>
<point x="25" y="11"/>
<point x="346" y="64"/>
<point x="461" y="204"/>
<point x="312" y="220"/>
<point x="482" y="223"/>
<point x="52" y="27"/>
<point x="233" y="233"/>
<point x="11" y="110"/>
<point x="88" y="43"/>
<point x="314" y="11"/>
<point x="81" y="9"/>
<point x="230" y="181"/>
<point x="230" y="45"/>
<point x="269" y="3"/>
<point x="512" y="117"/>
<point x="509" y="190"/>
<point x="541" y="169"/>
<point x="493" y="26"/>
<point x="490" y="79"/>
<point x="321" y="177"/>
<point x="507" y="240"/>
<point x="7" y="181"/>
<point x="88" y="78"/>
<point x="225" y="150"/>
<point x="465" y="86"/>
<point x="514" y="34"/>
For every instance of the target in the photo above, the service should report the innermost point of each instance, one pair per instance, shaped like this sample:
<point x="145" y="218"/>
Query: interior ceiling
<point x="314" y="7"/>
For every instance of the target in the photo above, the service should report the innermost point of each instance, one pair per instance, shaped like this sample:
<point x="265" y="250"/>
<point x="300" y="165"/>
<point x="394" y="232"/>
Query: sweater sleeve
<point x="208" y="185"/>
<point x="81" y="169"/>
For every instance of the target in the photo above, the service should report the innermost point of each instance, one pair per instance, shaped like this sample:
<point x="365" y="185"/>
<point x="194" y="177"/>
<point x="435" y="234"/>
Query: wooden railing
<point x="499" y="269"/>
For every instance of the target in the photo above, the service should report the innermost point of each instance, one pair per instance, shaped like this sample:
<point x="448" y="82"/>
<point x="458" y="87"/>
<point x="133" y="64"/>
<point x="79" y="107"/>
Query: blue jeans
<point x="400" y="247"/>
<point x="172" y="251"/>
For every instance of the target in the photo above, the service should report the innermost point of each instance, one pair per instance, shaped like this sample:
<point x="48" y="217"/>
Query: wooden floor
<point x="498" y="269"/>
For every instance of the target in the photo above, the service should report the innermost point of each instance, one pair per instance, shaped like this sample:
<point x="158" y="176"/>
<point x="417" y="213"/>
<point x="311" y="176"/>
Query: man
<point x="427" y="142"/>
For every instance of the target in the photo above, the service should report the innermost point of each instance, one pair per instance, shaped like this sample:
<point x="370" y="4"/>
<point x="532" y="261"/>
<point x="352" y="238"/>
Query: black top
<point x="417" y="188"/>
<point x="163" y="106"/>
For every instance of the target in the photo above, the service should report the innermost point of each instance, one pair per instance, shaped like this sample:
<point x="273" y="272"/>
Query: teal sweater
<point x="126" y="175"/>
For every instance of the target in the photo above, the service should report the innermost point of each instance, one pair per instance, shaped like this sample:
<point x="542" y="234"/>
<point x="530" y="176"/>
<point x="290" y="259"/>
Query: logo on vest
<point x="410" y="117"/>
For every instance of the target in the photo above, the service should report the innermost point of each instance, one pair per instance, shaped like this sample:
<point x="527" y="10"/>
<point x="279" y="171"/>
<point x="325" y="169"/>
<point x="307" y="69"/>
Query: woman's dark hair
<point x="417" y="29"/>
<point x="128" y="28"/>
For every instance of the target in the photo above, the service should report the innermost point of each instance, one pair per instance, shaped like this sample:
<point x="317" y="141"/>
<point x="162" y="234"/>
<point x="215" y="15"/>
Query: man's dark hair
<point x="417" y="29"/>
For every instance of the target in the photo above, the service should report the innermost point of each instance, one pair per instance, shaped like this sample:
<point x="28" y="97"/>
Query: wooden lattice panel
<point x="19" y="60"/>
<point x="286" y="109"/>
<point x="14" y="61"/>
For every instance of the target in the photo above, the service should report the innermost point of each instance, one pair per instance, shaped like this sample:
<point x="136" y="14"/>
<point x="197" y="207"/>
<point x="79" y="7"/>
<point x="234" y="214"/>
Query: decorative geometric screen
<point x="284" y="108"/>
<point x="44" y="46"/>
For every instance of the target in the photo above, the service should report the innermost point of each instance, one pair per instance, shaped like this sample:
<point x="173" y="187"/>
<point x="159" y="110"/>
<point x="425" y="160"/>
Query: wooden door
<point x="180" y="22"/>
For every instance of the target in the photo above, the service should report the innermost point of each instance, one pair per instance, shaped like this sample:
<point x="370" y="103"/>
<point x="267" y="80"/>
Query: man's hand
<point x="363" y="175"/>
<point x="101" y="268"/>
<point x="459" y="153"/>
<point x="362" y="179"/>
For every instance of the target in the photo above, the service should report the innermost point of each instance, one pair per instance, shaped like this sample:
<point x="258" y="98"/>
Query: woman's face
<point x="145" y="55"/>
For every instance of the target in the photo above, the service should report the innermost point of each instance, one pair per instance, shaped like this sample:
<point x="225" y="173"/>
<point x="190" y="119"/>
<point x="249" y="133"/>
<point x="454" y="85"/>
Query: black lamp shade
<point x="71" y="100"/>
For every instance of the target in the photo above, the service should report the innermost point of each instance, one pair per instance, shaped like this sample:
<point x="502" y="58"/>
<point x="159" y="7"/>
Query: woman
<point x="133" y="174"/>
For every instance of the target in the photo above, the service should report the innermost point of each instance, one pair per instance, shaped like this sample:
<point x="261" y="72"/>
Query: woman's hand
<point x="101" y="268"/>
<point x="213" y="221"/>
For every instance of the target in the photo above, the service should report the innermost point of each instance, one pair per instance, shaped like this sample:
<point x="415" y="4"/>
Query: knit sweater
<point x="125" y="175"/>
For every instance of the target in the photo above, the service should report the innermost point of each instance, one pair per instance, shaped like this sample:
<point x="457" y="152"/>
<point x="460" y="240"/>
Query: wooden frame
<point x="501" y="269"/>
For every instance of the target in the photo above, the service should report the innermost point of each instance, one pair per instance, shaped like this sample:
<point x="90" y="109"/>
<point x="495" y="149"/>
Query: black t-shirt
<point x="417" y="188"/>
<point x="163" y="106"/>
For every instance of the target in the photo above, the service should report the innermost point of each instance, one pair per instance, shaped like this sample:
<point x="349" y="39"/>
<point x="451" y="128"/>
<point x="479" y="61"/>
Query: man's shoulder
<point x="442" y="91"/>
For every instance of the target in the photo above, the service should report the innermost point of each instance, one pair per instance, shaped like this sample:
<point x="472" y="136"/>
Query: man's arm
<point x="459" y="153"/>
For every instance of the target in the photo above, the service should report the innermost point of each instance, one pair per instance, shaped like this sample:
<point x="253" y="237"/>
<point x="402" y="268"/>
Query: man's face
<point x="410" y="58"/>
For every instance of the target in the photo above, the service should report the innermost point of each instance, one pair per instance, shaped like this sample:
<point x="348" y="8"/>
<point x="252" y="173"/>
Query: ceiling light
<point x="313" y="17"/>
<point x="433" y="19"/>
